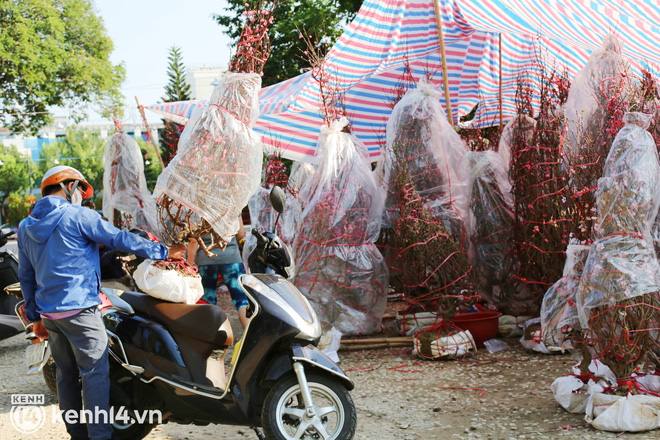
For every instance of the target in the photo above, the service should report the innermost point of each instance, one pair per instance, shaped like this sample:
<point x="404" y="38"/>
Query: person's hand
<point x="39" y="330"/>
<point x="177" y="252"/>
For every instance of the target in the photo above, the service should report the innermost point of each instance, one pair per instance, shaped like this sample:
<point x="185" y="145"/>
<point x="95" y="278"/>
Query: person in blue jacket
<point x="60" y="280"/>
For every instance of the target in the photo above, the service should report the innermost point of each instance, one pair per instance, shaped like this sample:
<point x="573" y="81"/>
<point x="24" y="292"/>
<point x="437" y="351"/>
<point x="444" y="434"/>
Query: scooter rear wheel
<point x="50" y="375"/>
<point x="283" y="414"/>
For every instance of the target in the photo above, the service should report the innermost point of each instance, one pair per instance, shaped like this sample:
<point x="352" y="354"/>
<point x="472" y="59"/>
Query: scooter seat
<point x="197" y="321"/>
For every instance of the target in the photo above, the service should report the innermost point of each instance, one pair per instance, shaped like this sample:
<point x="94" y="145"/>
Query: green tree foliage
<point x="176" y="90"/>
<point x="53" y="53"/>
<point x="81" y="149"/>
<point x="152" y="168"/>
<point x="14" y="173"/>
<point x="324" y="20"/>
<point x="18" y="206"/>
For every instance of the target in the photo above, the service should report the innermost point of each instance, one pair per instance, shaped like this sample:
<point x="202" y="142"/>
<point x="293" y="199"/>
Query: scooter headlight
<point x="291" y="301"/>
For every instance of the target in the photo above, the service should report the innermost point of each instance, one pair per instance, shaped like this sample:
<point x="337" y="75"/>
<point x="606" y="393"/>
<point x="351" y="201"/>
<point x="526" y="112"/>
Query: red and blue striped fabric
<point x="368" y="62"/>
<point x="180" y="111"/>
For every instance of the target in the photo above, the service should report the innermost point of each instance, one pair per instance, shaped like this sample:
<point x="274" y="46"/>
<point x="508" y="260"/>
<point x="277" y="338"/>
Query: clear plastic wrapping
<point x="419" y="134"/>
<point x="300" y="173"/>
<point x="558" y="311"/>
<point x="127" y="202"/>
<point x="606" y="74"/>
<point x="217" y="167"/>
<point x="340" y="270"/>
<point x="262" y="214"/>
<point x="622" y="263"/>
<point x="526" y="126"/>
<point x="627" y="195"/>
<point x="491" y="216"/>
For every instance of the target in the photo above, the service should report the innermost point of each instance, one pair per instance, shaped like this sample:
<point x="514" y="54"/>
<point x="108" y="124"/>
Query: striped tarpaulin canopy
<point x="368" y="62"/>
<point x="180" y="111"/>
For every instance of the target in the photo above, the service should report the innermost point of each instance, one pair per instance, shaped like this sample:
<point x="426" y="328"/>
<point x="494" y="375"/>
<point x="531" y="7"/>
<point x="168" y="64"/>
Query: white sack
<point x="168" y="285"/>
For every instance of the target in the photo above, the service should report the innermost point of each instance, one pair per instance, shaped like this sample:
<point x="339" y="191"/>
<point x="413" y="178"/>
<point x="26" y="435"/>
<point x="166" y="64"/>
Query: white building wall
<point x="202" y="80"/>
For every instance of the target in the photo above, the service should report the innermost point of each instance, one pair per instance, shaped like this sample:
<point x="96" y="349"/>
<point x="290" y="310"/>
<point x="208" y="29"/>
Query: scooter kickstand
<point x="259" y="433"/>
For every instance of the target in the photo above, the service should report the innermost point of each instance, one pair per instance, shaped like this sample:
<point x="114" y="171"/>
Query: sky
<point x="143" y="31"/>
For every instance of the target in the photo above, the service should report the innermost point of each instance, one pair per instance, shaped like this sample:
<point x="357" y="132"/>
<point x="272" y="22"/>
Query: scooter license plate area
<point x="35" y="357"/>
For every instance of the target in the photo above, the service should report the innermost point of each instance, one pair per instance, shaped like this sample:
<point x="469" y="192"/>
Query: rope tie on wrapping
<point x="632" y="383"/>
<point x="625" y="234"/>
<point x="234" y="114"/>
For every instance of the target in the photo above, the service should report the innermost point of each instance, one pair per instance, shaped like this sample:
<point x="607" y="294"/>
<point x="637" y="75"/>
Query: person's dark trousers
<point x="79" y="346"/>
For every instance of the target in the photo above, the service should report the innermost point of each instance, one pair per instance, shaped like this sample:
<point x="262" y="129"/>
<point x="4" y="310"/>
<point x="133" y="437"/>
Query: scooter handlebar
<point x="261" y="240"/>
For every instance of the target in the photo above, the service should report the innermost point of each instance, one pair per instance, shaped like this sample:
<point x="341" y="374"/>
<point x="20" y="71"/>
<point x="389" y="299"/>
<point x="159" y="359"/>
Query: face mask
<point x="76" y="198"/>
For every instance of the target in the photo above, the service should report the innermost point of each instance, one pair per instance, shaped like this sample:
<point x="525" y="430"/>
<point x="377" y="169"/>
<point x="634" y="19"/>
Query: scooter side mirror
<point x="278" y="199"/>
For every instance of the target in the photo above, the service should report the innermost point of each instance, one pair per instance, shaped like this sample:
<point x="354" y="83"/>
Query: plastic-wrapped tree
<point x="340" y="270"/>
<point x="541" y="225"/>
<point x="618" y="299"/>
<point x="419" y="134"/>
<point x="127" y="202"/>
<point x="431" y="270"/>
<point x="598" y="97"/>
<point x="519" y="129"/>
<point x="262" y="214"/>
<point x="603" y="81"/>
<point x="491" y="223"/>
<point x="217" y="167"/>
<point x="300" y="172"/>
<point x="427" y="205"/>
<point x="559" y="321"/>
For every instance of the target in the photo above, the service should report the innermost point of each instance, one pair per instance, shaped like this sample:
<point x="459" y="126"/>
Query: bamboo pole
<point x="501" y="117"/>
<point x="371" y="344"/>
<point x="445" y="80"/>
<point x="151" y="140"/>
<point x="395" y="339"/>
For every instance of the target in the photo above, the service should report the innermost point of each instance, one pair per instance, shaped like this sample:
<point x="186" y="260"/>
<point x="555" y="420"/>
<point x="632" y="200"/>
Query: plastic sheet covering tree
<point x="340" y="270"/>
<point x="490" y="222"/>
<point x="262" y="214"/>
<point x="434" y="155"/>
<point x="618" y="296"/>
<point x="127" y="203"/>
<point x="541" y="223"/>
<point x="598" y="97"/>
<point x="559" y="320"/>
<point x="300" y="173"/>
<point x="606" y="75"/>
<point x="521" y="126"/>
<point x="427" y="205"/>
<point x="218" y="164"/>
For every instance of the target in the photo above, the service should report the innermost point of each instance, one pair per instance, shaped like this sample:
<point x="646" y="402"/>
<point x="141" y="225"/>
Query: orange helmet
<point x="62" y="173"/>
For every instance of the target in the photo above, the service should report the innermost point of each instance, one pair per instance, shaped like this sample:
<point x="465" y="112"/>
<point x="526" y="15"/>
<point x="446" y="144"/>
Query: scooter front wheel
<point x="284" y="416"/>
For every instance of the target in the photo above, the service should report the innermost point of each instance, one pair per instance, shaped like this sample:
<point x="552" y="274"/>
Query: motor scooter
<point x="161" y="359"/>
<point x="10" y="325"/>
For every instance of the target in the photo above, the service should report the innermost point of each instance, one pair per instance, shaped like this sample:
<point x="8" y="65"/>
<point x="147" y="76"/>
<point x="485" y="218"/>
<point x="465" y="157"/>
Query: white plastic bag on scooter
<point x="168" y="285"/>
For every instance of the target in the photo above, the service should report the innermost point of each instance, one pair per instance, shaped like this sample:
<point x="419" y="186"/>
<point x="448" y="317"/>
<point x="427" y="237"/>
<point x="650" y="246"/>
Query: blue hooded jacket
<point x="58" y="256"/>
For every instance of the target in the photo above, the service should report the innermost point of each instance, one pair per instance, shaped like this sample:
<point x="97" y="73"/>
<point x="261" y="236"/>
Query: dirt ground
<point x="398" y="395"/>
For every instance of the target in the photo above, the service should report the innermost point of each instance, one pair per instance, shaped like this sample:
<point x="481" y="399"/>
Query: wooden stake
<point x="501" y="117"/>
<point x="441" y="39"/>
<point x="146" y="124"/>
